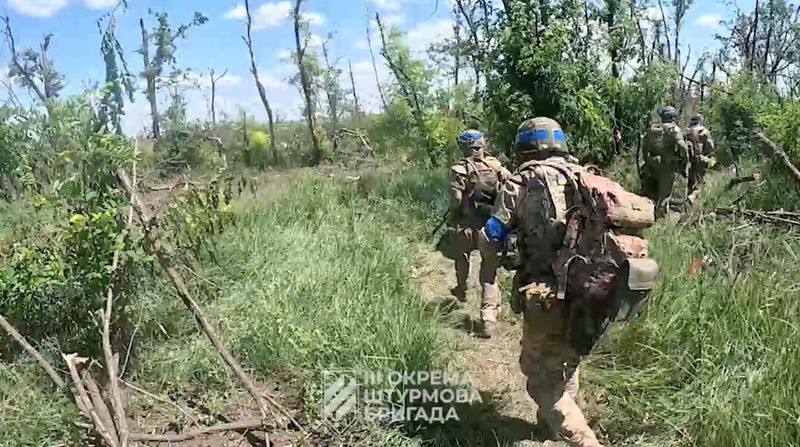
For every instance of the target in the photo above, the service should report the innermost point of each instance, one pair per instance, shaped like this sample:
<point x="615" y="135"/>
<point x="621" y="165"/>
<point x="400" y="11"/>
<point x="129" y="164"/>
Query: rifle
<point x="441" y="222"/>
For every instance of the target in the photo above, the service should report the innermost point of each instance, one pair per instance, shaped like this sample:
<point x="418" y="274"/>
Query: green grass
<point x="31" y="411"/>
<point x="716" y="359"/>
<point x="314" y="276"/>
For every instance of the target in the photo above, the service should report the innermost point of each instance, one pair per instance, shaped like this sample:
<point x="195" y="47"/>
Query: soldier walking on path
<point x="474" y="182"/>
<point x="572" y="253"/>
<point x="665" y="152"/>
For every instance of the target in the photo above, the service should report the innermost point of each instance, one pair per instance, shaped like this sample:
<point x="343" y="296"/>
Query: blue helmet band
<point x="541" y="136"/>
<point x="469" y="137"/>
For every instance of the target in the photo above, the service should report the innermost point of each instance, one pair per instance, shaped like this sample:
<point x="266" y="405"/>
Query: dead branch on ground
<point x="739" y="180"/>
<point x="775" y="217"/>
<point x="777" y="152"/>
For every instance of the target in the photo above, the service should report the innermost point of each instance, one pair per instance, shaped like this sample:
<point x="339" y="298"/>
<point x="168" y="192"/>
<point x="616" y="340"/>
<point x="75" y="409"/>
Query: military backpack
<point x="602" y="269"/>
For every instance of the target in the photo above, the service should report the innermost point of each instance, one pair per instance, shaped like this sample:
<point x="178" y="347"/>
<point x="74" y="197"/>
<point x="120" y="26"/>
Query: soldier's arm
<point x="708" y="142"/>
<point x="504" y="213"/>
<point x="458" y="185"/>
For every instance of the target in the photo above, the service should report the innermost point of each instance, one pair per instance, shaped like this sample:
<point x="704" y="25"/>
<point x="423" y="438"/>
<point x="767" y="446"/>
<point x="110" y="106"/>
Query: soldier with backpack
<point x="701" y="152"/>
<point x="665" y="152"/>
<point x="583" y="266"/>
<point x="474" y="182"/>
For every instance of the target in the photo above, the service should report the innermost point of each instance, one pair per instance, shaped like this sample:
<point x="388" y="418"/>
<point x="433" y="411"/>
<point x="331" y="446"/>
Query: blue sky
<point x="218" y="44"/>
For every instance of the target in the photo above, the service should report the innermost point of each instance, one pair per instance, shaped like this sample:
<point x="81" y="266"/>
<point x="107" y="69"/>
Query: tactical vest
<point x="483" y="179"/>
<point x="694" y="138"/>
<point x="584" y="232"/>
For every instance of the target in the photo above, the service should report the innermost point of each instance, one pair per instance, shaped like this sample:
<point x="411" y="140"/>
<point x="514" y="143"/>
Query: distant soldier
<point x="665" y="152"/>
<point x="566" y="275"/>
<point x="701" y="153"/>
<point x="474" y="182"/>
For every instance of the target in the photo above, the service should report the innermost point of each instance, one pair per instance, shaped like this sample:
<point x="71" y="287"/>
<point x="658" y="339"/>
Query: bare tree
<point x="375" y="68"/>
<point x="35" y="70"/>
<point x="356" y="107"/>
<point x="262" y="92"/>
<point x="301" y="43"/>
<point x="214" y="79"/>
<point x="150" y="79"/>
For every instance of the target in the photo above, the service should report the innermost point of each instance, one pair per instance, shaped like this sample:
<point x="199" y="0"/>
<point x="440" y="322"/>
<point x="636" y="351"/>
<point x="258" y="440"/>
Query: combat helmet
<point x="471" y="139"/>
<point x="696" y="120"/>
<point x="667" y="114"/>
<point x="540" y="135"/>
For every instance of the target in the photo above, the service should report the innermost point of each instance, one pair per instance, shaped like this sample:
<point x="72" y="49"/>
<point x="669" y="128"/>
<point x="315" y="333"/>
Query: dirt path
<point x="508" y="414"/>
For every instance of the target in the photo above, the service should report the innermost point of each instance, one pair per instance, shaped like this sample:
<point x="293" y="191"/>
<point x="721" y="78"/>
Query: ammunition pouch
<point x="590" y="318"/>
<point x="632" y="289"/>
<point x="509" y="256"/>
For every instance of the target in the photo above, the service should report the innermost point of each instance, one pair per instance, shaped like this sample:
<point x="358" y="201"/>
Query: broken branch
<point x="46" y="366"/>
<point x="778" y="152"/>
<point x="247" y="424"/>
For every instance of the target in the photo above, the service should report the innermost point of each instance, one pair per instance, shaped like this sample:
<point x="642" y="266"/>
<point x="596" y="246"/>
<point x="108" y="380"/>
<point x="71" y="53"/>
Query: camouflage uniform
<point x="665" y="152"/>
<point x="547" y="359"/>
<point x="468" y="220"/>
<point x="701" y="151"/>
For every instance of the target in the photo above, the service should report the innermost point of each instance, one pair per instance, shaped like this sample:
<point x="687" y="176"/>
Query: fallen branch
<point x="176" y="185"/>
<point x="85" y="402"/>
<point x="779" y="153"/>
<point x="162" y="400"/>
<point x="46" y="366"/>
<point x="776" y="217"/>
<point x="111" y="360"/>
<point x="247" y="424"/>
<point x="738" y="180"/>
<point x="188" y="300"/>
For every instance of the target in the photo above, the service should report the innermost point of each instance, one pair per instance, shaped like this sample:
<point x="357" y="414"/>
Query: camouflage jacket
<point x="702" y="143"/>
<point x="465" y="176"/>
<point x="524" y="204"/>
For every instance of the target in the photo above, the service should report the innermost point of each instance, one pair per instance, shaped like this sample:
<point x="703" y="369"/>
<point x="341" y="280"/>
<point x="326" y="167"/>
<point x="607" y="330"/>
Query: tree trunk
<point x="409" y="94"/>
<point x="213" y="100"/>
<point x="306" y="85"/>
<point x="151" y="82"/>
<point x="753" y="54"/>
<point x="357" y="108"/>
<point x="375" y="70"/>
<point x="262" y="92"/>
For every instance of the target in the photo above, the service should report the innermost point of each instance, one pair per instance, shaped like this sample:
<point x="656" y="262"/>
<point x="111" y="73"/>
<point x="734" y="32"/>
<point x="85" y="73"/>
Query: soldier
<point x="665" y="152"/>
<point x="702" y="153"/>
<point x="474" y="183"/>
<point x="548" y="359"/>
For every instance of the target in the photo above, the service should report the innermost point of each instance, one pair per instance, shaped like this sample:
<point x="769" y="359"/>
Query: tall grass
<point x="314" y="276"/>
<point x="716" y="359"/>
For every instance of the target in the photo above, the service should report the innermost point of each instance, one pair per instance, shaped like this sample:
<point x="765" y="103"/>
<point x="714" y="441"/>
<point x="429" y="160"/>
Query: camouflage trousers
<point x="467" y="241"/>
<point x="657" y="184"/>
<point x="552" y="367"/>
<point x="697" y="171"/>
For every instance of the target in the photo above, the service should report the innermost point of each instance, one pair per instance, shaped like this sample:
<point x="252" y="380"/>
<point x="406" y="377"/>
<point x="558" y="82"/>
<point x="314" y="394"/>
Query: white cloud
<point x="394" y="19"/>
<point x="237" y="13"/>
<point x="387" y="5"/>
<point x="315" y="41"/>
<point x="285" y="54"/>
<point x="100" y="4"/>
<point x="426" y="33"/>
<point x="361" y="44"/>
<point x="192" y="79"/>
<point x="268" y="15"/>
<point x="314" y="18"/>
<point x="709" y="20"/>
<point x="272" y="15"/>
<point x="37" y="8"/>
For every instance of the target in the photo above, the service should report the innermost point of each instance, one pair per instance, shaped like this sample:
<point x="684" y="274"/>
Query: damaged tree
<point x="262" y="92"/>
<point x="301" y="40"/>
<point x="34" y="70"/>
<point x="165" y="47"/>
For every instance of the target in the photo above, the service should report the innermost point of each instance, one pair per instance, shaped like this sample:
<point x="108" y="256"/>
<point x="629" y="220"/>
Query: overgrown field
<point x="316" y="275"/>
